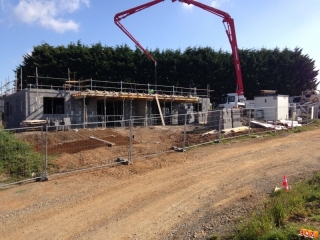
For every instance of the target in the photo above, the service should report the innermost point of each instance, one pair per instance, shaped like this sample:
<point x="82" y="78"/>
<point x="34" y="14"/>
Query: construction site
<point x="123" y="160"/>
<point x="76" y="116"/>
<point x="84" y="102"/>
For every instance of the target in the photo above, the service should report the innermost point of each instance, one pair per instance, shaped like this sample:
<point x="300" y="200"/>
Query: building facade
<point x="97" y="106"/>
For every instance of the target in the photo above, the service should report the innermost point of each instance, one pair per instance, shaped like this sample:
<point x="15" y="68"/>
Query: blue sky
<point x="259" y="23"/>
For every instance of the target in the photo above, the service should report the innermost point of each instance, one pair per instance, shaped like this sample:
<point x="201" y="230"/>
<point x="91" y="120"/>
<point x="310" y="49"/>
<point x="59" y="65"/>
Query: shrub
<point x="17" y="159"/>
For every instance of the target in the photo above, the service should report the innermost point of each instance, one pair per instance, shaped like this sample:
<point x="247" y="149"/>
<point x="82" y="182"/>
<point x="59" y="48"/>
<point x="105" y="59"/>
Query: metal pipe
<point x="275" y="120"/>
<point x="84" y="111"/>
<point x="249" y="121"/>
<point x="105" y="111"/>
<point x="46" y="157"/>
<point x="185" y="132"/>
<point x="131" y="140"/>
<point x="220" y="122"/>
<point x="123" y="122"/>
<point x="37" y="89"/>
<point x="146" y="113"/>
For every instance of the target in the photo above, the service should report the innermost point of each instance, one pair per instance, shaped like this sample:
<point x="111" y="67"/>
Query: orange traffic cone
<point x="285" y="185"/>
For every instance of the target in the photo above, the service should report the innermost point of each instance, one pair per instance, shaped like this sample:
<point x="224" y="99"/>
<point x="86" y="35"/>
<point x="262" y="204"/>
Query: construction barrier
<point x="308" y="233"/>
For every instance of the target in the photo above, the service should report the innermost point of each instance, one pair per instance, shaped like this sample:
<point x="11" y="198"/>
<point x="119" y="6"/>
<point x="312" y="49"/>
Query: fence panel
<point x="31" y="153"/>
<point x="202" y="128"/>
<point x="21" y="154"/>
<point x="81" y="146"/>
<point x="153" y="138"/>
<point x="213" y="126"/>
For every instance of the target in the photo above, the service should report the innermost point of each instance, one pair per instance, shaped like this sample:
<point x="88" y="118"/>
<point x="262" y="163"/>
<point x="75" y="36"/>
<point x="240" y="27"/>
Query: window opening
<point x="53" y="105"/>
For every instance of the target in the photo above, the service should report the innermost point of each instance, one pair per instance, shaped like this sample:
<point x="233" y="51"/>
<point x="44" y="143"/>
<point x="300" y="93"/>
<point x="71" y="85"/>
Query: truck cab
<point x="231" y="100"/>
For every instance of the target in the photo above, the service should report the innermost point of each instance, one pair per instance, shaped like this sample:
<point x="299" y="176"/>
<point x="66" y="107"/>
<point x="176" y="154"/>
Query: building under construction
<point x="114" y="103"/>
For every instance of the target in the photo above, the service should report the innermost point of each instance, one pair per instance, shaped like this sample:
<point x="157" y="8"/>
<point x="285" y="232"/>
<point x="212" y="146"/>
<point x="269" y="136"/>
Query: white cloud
<point x="218" y="3"/>
<point x="214" y="3"/>
<point x="187" y="6"/>
<point x="48" y="13"/>
<point x="72" y="5"/>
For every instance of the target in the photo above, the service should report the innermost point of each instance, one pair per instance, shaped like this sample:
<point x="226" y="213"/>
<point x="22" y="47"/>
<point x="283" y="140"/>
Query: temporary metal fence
<point x="70" y="148"/>
<point x="36" y="153"/>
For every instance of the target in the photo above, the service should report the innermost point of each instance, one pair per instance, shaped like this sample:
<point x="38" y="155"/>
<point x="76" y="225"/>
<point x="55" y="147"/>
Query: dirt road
<point x="174" y="196"/>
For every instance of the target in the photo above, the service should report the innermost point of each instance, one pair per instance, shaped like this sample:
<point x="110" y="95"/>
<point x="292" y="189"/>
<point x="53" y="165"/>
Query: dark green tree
<point x="287" y="71"/>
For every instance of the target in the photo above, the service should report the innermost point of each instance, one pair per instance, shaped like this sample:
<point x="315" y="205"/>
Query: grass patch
<point x="315" y="218"/>
<point x="214" y="237"/>
<point x="309" y="127"/>
<point x="285" y="213"/>
<point x="17" y="159"/>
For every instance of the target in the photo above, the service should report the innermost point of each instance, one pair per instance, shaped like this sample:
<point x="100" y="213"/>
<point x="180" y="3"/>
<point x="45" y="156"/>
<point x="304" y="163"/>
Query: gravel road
<point x="188" y="195"/>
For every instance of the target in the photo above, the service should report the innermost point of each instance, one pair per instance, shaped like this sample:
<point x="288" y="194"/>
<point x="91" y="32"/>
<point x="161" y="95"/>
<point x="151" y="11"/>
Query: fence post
<point x="292" y="113"/>
<point x="220" y="122"/>
<point x="131" y="141"/>
<point x="146" y="114"/>
<point x="275" y="119"/>
<point x="185" y="132"/>
<point x="44" y="173"/>
<point x="46" y="146"/>
<point x="105" y="112"/>
<point x="84" y="111"/>
<point x="307" y="115"/>
<point x="249" y="132"/>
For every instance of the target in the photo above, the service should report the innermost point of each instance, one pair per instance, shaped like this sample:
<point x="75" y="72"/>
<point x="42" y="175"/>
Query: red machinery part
<point x="227" y="21"/>
<point x="126" y="13"/>
<point x="231" y="33"/>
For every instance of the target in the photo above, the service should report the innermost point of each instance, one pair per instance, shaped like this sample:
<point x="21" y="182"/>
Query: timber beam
<point x="134" y="96"/>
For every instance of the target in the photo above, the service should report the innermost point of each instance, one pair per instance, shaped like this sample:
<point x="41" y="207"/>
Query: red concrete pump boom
<point x="231" y="33"/>
<point x="124" y="14"/>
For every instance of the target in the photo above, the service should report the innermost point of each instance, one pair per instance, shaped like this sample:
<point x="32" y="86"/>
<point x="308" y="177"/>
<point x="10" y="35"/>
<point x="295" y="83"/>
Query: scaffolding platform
<point x="134" y="96"/>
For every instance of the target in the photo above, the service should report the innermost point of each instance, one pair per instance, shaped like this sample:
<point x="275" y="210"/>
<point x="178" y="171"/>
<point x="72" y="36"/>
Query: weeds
<point x="17" y="160"/>
<point x="285" y="213"/>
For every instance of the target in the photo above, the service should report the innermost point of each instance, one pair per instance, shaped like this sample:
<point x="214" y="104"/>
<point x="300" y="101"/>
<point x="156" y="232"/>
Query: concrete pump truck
<point x="229" y="100"/>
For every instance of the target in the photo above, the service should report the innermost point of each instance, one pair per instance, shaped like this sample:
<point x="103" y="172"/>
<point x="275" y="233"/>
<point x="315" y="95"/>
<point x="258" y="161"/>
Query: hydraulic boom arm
<point x="231" y="33"/>
<point x="124" y="14"/>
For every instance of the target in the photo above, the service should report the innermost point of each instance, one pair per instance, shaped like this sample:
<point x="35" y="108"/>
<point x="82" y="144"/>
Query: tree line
<point x="287" y="71"/>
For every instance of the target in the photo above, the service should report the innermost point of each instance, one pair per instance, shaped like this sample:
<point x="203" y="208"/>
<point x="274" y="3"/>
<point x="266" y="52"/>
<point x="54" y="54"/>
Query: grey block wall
<point x="14" y="109"/>
<point x="230" y="119"/>
<point x="186" y="109"/>
<point x="28" y="105"/>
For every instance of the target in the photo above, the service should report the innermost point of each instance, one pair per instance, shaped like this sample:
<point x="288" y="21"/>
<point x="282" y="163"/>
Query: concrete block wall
<point x="186" y="108"/>
<point x="1" y="103"/>
<point x="28" y="105"/>
<point x="205" y="103"/>
<point x="34" y="104"/>
<point x="14" y="109"/>
<point x="230" y="119"/>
